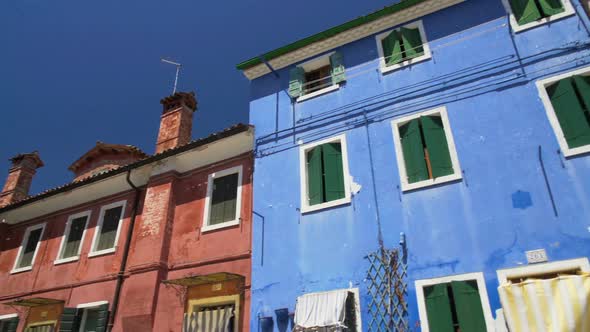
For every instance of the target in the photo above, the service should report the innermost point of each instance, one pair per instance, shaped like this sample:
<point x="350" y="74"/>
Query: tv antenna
<point x="178" y="65"/>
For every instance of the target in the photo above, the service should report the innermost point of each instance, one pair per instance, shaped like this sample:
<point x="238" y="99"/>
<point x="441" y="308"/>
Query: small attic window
<point x="316" y="77"/>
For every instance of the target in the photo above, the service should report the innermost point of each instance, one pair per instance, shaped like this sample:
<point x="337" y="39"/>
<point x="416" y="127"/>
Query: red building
<point x="135" y="242"/>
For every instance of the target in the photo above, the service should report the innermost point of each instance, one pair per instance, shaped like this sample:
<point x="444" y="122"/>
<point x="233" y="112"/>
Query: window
<point x="567" y="102"/>
<point x="425" y="149"/>
<point x="454" y="303"/>
<point x="28" y="249"/>
<point x="316" y="77"/>
<point x="88" y="317"/>
<point x="403" y="46"/>
<point x="221" y="313"/>
<point x="324" y="174"/>
<point x="71" y="242"/>
<point x="107" y="230"/>
<point x="8" y="323"/>
<point x="328" y="311"/>
<point x="223" y="201"/>
<point x="526" y="14"/>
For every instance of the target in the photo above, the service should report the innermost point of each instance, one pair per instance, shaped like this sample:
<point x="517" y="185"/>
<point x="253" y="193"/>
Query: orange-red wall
<point x="167" y="244"/>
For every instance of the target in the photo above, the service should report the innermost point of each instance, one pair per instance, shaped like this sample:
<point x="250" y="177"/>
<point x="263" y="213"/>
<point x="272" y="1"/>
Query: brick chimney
<point x="20" y="176"/>
<point x="177" y="120"/>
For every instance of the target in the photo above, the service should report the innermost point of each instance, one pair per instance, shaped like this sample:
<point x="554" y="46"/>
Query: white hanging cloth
<point x="317" y="310"/>
<point x="216" y="319"/>
<point x="560" y="304"/>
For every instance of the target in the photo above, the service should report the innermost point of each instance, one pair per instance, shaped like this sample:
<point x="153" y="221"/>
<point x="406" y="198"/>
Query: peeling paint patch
<point x="155" y="208"/>
<point x="355" y="188"/>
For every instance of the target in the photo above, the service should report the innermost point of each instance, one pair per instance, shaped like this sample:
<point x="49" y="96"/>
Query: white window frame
<point x="64" y="238"/>
<point x="84" y="307"/>
<point x="357" y="304"/>
<point x="93" y="251"/>
<point x="4" y="318"/>
<point x="481" y="286"/>
<point x="542" y="87"/>
<point x="314" y="64"/>
<point x="21" y="248"/>
<point x="236" y="221"/>
<point x="541" y="268"/>
<point x="427" y="53"/>
<point x="399" y="154"/>
<point x="305" y="207"/>
<point x="567" y="5"/>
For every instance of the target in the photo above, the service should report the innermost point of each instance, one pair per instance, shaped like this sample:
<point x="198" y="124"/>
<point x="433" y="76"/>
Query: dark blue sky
<point x="74" y="71"/>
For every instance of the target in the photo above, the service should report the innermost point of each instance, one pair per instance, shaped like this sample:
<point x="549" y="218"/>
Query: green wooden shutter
<point x="223" y="200"/>
<point x="315" y="181"/>
<point x="525" y="11"/>
<point x="74" y="237"/>
<point x="570" y="113"/>
<point x="392" y="48"/>
<point x="296" y="79"/>
<point x="338" y="72"/>
<point x="413" y="150"/>
<point x="30" y="247"/>
<point x="103" y="317"/>
<point x="468" y="306"/>
<point x="582" y="84"/>
<point x="12" y="324"/>
<point x="551" y="7"/>
<point x="438" y="308"/>
<point x="69" y="320"/>
<point x="412" y="42"/>
<point x="333" y="171"/>
<point x="437" y="146"/>
<point x="108" y="229"/>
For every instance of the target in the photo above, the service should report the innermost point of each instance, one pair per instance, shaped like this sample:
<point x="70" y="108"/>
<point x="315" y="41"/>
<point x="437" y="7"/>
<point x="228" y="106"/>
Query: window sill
<point x="209" y="228"/>
<point x="102" y="252"/>
<point x="431" y="182"/>
<point x="21" y="269"/>
<point x="386" y="69"/>
<point x="66" y="260"/>
<point x="327" y="205"/>
<point x="567" y="152"/>
<point x="318" y="92"/>
<point x="519" y="28"/>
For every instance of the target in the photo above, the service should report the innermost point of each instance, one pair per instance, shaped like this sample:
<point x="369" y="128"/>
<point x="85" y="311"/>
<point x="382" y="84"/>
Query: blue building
<point x="411" y="161"/>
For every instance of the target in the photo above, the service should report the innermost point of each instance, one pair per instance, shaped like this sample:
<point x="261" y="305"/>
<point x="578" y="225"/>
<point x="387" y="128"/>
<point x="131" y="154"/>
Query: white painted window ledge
<point x="320" y="92"/>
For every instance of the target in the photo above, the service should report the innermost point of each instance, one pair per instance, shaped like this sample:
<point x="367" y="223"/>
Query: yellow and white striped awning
<point x="560" y="304"/>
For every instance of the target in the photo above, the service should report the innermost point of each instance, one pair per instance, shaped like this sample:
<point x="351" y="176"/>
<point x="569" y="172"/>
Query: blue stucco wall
<point x="485" y="76"/>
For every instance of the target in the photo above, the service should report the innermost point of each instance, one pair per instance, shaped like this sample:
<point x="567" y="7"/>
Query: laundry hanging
<point x="325" y="311"/>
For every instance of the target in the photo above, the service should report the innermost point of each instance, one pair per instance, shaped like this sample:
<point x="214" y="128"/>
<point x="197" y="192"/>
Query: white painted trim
<point x="427" y="53"/>
<point x="351" y="35"/>
<point x="66" y="235"/>
<point x="236" y="221"/>
<point x="542" y="87"/>
<point x="355" y="291"/>
<point x="23" y="243"/>
<point x="542" y="268"/>
<point x="319" y="92"/>
<point x="457" y="175"/>
<point x="481" y="286"/>
<point x="567" y="5"/>
<point x="93" y="251"/>
<point x="91" y="304"/>
<point x="9" y="316"/>
<point x="305" y="207"/>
